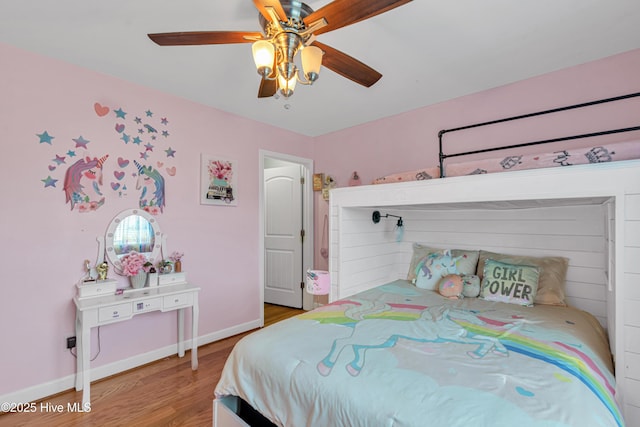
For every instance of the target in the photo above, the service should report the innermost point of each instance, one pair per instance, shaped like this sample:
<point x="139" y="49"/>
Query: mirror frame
<point x="110" y="250"/>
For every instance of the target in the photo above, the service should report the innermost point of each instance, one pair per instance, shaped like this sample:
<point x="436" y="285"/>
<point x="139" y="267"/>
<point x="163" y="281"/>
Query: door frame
<point x="307" y="221"/>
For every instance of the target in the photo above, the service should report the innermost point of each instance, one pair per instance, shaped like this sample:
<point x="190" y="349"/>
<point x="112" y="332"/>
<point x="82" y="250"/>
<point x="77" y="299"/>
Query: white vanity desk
<point x="106" y="309"/>
<point x="130" y="230"/>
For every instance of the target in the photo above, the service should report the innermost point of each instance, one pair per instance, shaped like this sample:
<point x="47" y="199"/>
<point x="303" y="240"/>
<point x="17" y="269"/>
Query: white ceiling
<point x="428" y="51"/>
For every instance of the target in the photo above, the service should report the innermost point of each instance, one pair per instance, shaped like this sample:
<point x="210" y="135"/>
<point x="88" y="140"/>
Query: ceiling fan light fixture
<point x="289" y="26"/>
<point x="311" y="62"/>
<point x="263" y="56"/>
<point x="287" y="86"/>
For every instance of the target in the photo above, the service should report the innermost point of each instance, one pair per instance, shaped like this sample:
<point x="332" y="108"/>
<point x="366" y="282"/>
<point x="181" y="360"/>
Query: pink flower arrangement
<point x="133" y="263"/>
<point x="220" y="170"/>
<point x="176" y="256"/>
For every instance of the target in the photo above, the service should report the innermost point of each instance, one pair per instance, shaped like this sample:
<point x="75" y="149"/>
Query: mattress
<point x="576" y="156"/>
<point x="397" y="355"/>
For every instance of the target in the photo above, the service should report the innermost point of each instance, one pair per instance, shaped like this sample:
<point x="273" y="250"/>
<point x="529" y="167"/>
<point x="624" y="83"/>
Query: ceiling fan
<point x="290" y="26"/>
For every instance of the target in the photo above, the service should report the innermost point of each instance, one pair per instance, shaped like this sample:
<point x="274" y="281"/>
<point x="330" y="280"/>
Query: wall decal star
<point x="49" y="182"/>
<point x="81" y="142"/>
<point x="170" y="152"/>
<point x="58" y="160"/>
<point x="149" y="113"/>
<point x="126" y="138"/>
<point x="45" y="137"/>
<point x="144" y="155"/>
<point x="164" y="121"/>
<point x="165" y="133"/>
<point x="137" y="140"/>
<point x="119" y="113"/>
<point x="138" y="120"/>
<point x="149" y="146"/>
<point x="71" y="153"/>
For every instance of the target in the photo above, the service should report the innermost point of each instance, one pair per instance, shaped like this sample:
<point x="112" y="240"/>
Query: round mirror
<point x="132" y="230"/>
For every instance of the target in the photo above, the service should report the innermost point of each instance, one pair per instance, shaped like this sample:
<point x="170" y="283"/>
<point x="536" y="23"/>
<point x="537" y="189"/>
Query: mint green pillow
<point x="510" y="283"/>
<point x="467" y="259"/>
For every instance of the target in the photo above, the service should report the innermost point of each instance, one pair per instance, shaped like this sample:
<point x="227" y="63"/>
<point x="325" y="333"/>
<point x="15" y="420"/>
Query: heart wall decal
<point x="171" y="171"/>
<point x="119" y="128"/>
<point x="101" y="110"/>
<point x="123" y="163"/>
<point x="119" y="175"/>
<point x="115" y="185"/>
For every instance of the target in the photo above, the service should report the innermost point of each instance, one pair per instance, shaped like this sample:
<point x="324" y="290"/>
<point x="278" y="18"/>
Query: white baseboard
<point x="41" y="391"/>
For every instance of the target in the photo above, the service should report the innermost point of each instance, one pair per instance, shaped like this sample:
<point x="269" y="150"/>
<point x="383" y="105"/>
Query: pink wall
<point x="44" y="243"/>
<point x="410" y="141"/>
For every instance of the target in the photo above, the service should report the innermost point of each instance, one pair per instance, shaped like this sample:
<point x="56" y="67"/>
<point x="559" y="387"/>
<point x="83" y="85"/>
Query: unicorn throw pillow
<point x="433" y="267"/>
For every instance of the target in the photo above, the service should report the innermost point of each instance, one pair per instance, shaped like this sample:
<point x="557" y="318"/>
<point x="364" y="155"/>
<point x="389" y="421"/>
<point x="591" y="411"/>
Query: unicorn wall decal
<point x="152" y="184"/>
<point x="76" y="193"/>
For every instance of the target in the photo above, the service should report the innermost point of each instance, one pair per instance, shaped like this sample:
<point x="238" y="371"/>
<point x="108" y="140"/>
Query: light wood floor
<point x="162" y="393"/>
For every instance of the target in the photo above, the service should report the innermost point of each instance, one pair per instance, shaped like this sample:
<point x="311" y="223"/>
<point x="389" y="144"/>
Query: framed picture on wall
<point x="218" y="181"/>
<point x="318" y="180"/>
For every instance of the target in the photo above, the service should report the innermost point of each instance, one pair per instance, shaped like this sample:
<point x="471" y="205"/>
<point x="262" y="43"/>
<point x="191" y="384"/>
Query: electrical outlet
<point x="71" y="342"/>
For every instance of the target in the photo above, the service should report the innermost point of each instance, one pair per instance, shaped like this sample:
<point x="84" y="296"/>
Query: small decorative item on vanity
<point x="92" y="273"/>
<point x="165" y="266"/>
<point x="171" y="270"/>
<point x="136" y="266"/>
<point x="176" y="258"/>
<point x="152" y="277"/>
<point x="138" y="280"/>
<point x="103" y="269"/>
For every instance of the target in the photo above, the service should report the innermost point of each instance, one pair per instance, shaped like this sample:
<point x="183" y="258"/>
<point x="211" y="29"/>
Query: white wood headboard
<point x="589" y="214"/>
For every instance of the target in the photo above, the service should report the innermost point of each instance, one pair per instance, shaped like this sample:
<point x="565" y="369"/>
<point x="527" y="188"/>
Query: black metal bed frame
<point x="443" y="156"/>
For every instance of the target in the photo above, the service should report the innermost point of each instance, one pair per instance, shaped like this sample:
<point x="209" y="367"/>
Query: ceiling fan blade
<point x="267" y="88"/>
<point x="275" y="4"/>
<point x="204" y="37"/>
<point x="341" y="13"/>
<point x="347" y="66"/>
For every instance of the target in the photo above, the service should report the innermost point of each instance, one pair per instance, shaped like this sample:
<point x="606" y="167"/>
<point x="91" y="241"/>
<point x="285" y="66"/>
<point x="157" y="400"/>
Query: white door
<point x="282" y="236"/>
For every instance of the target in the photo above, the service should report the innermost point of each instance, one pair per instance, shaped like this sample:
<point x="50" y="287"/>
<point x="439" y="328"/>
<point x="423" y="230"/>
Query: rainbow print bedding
<point x="596" y="154"/>
<point x="397" y="355"/>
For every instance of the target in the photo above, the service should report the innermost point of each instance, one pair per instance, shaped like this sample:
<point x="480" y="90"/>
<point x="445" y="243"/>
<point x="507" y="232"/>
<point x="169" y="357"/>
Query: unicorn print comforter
<point x="397" y="355"/>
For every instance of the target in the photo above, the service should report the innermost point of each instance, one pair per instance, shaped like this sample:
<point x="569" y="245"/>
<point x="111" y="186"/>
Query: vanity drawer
<point x="113" y="312"/>
<point x="178" y="300"/>
<point x="147" y="305"/>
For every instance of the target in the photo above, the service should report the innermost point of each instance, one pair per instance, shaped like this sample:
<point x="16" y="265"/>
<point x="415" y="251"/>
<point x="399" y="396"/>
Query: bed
<point x="398" y="355"/>
<point x="625" y="150"/>
<point x="482" y="362"/>
<point x="558" y="157"/>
